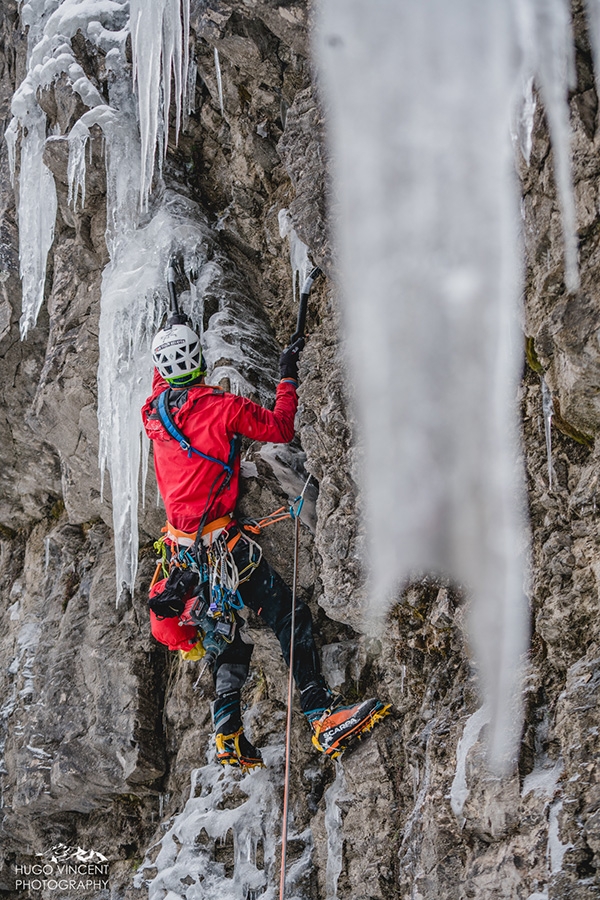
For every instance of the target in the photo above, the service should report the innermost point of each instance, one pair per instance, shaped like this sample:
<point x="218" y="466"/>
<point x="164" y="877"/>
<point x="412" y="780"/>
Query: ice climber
<point x="211" y="567"/>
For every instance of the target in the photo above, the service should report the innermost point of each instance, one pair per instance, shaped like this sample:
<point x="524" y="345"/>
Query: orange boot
<point x="338" y="727"/>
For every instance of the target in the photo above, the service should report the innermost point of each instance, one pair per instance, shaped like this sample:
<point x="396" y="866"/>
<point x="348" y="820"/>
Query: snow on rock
<point x="556" y="848"/>
<point x="543" y="779"/>
<point x="224" y="842"/>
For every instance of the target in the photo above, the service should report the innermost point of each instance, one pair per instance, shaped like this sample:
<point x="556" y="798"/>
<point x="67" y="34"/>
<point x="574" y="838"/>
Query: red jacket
<point x="209" y="417"/>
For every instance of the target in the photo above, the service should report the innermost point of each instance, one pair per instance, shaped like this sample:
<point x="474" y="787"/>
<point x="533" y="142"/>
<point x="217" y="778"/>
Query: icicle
<point x="219" y="81"/>
<point x="157" y="37"/>
<point x="37" y="217"/>
<point x="172" y="62"/>
<point x="10" y="136"/>
<point x="189" y="106"/>
<point x="556" y="849"/>
<point x="593" y="17"/>
<point x="51" y="26"/>
<point x="427" y="234"/>
<point x="548" y="410"/>
<point x="459" y="790"/>
<point x="146" y="33"/>
<point x="127" y="324"/>
<point x="299" y="261"/>
<point x="553" y="58"/>
<point x="525" y="112"/>
<point x="78" y="139"/>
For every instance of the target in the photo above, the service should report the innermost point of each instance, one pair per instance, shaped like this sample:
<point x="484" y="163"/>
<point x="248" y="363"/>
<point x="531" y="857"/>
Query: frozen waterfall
<point x="420" y="98"/>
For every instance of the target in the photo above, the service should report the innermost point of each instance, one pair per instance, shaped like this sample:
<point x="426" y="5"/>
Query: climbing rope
<point x="295" y="515"/>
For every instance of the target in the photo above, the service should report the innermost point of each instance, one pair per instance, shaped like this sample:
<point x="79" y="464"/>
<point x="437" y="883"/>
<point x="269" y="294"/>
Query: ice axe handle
<point x="175" y="317"/>
<point x="171" y="276"/>
<point x="301" y="324"/>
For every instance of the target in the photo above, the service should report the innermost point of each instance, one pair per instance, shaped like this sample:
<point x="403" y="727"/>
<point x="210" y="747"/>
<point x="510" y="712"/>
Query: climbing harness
<point x="295" y="515"/>
<point x="201" y="583"/>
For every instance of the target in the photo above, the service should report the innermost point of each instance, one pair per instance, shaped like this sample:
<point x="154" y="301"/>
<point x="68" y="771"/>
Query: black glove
<point x="288" y="361"/>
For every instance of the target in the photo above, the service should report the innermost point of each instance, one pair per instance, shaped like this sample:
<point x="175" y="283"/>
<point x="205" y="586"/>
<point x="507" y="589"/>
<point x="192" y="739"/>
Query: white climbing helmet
<point x="177" y="354"/>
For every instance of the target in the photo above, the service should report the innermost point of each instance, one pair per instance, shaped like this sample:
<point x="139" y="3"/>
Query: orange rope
<point x="288" y="732"/>
<point x="280" y="515"/>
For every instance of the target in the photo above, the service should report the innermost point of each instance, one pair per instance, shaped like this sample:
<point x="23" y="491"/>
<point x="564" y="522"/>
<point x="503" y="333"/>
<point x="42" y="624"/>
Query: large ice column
<point x="131" y="304"/>
<point x="134" y="300"/>
<point x="419" y="107"/>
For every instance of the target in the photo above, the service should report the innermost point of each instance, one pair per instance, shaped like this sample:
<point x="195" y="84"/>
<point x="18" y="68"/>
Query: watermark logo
<point x="63" y="870"/>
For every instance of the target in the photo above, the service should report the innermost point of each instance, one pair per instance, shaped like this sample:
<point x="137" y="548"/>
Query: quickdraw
<point x="224" y="575"/>
<point x="292" y="511"/>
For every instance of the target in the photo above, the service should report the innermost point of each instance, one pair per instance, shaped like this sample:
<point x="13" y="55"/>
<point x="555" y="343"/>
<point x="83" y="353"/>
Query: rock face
<point x="103" y="734"/>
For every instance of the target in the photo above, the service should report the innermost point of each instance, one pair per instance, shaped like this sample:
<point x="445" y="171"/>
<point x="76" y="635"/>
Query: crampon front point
<point x="337" y="728"/>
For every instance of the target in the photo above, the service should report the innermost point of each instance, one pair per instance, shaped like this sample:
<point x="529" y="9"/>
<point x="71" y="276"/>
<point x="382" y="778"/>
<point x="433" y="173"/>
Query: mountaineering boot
<point x="233" y="747"/>
<point x="236" y="750"/>
<point x="334" y="729"/>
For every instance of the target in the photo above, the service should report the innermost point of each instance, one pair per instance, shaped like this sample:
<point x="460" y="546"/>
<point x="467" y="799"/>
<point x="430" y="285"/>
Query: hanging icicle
<point x="427" y="236"/>
<point x="159" y="40"/>
<point x="548" y="412"/>
<point x="219" y="81"/>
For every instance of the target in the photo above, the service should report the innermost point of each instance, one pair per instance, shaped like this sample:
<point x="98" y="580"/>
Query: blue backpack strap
<point x="167" y="421"/>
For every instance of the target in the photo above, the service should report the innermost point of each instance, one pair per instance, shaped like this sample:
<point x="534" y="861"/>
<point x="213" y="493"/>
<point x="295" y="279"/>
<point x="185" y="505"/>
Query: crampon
<point x="338" y="728"/>
<point x="236" y="750"/>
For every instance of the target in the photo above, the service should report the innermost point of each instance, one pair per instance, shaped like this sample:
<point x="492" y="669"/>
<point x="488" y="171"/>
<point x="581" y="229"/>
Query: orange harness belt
<point x="188" y="539"/>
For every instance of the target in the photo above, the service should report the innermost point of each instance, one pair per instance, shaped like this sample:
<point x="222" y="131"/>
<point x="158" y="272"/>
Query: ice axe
<point x="306" y="287"/>
<point x="175" y="317"/>
<point x="176" y="268"/>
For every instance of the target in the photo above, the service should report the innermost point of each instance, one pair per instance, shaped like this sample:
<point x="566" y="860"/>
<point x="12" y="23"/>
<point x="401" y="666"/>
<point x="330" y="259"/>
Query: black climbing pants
<point x="267" y="594"/>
